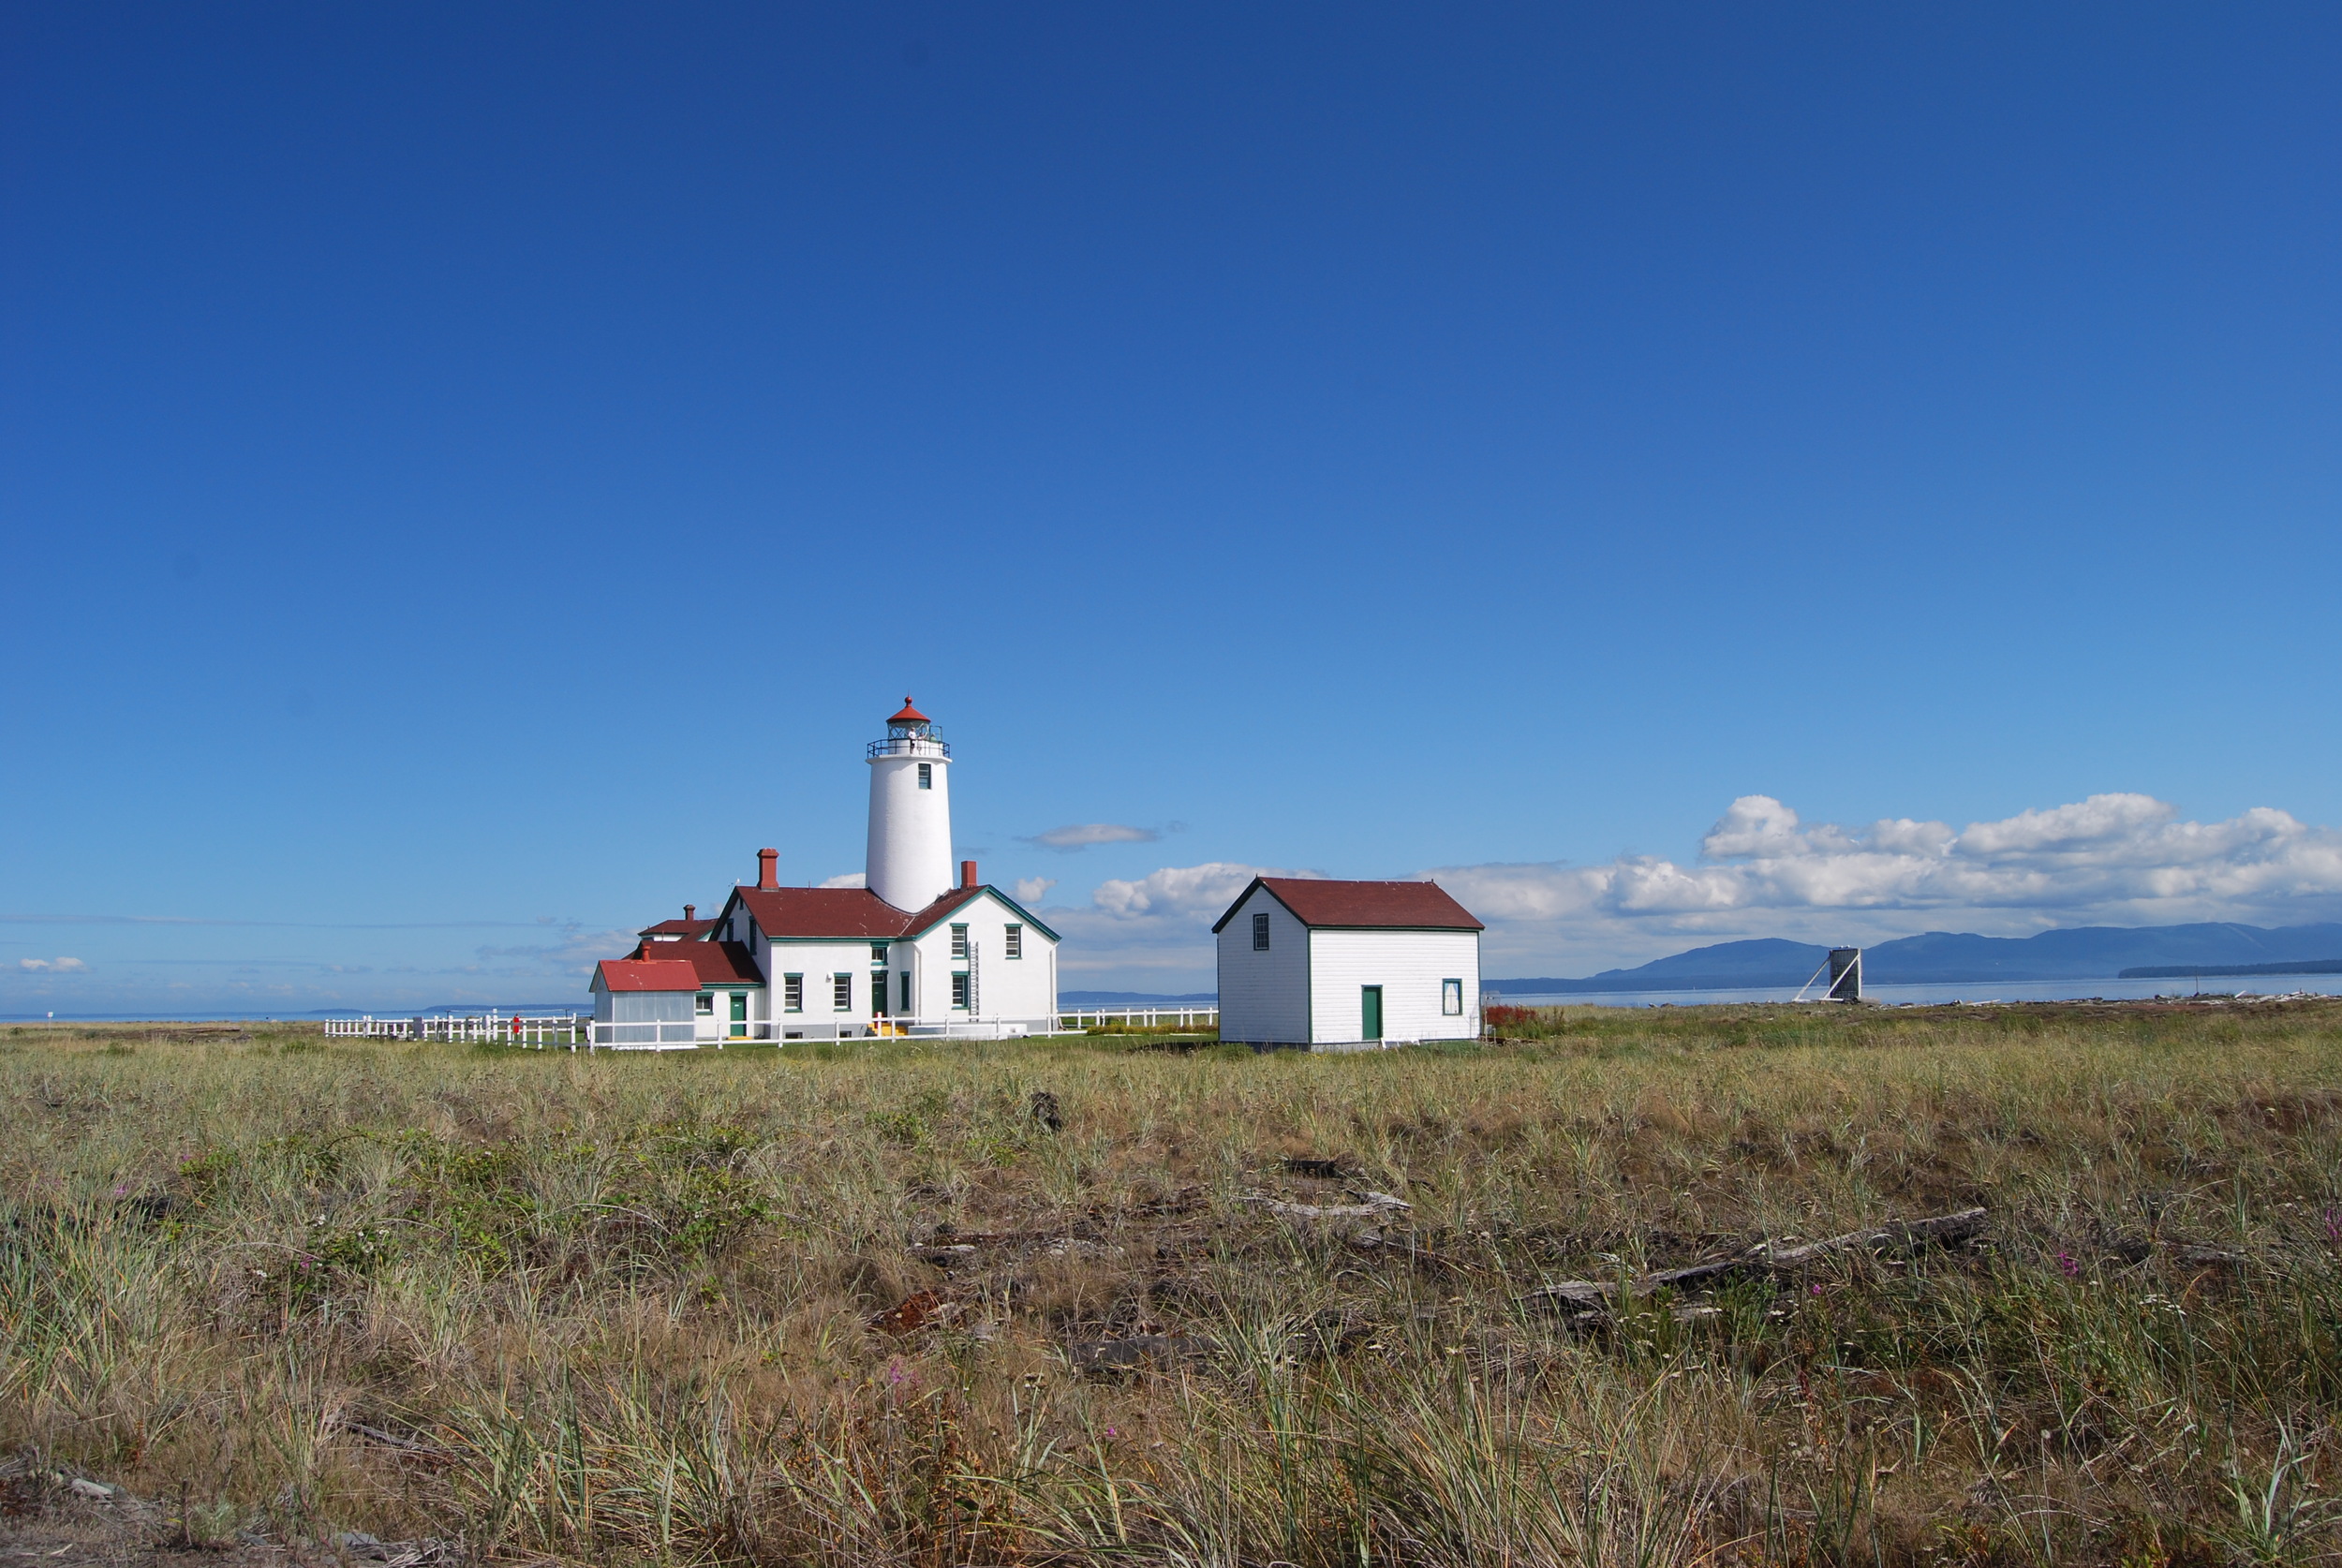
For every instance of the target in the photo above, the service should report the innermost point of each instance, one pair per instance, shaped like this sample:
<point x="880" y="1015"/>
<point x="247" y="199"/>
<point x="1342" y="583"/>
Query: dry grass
<point x="620" y="1310"/>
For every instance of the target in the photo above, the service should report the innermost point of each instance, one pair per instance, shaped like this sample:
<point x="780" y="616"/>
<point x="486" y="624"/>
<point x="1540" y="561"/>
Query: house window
<point x="906" y="1006"/>
<point x="705" y="1004"/>
<point x="841" y="992"/>
<point x="792" y="993"/>
<point x="1451" y="997"/>
<point x="959" y="990"/>
<point x="1013" y="943"/>
<point x="1260" y="932"/>
<point x="960" y="942"/>
<point x="877" y="953"/>
<point x="926" y="776"/>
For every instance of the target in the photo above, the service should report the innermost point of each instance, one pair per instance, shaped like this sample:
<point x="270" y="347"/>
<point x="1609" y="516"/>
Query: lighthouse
<point x="910" y="864"/>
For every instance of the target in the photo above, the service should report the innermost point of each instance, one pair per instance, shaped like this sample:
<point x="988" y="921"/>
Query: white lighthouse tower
<point x="910" y="863"/>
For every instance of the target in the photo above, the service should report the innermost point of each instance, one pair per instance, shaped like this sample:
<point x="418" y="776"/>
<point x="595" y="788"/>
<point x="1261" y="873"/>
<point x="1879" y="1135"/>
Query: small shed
<point x="730" y="1000"/>
<point x="1309" y="961"/>
<point x="644" y="1004"/>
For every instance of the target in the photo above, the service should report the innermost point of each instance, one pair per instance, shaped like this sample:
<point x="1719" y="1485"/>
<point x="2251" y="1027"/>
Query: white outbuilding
<point x="1309" y="961"/>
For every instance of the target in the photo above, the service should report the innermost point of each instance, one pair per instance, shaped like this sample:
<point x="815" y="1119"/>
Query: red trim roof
<point x="1322" y="901"/>
<point x="910" y="716"/>
<point x="652" y="974"/>
<point x="715" y="963"/>
<point x="844" y="913"/>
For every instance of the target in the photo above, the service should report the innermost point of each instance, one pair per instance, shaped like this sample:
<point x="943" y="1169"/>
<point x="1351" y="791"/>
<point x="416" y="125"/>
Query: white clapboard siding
<point x="1409" y="966"/>
<point x="1019" y="988"/>
<point x="1265" y="997"/>
<point x="818" y="961"/>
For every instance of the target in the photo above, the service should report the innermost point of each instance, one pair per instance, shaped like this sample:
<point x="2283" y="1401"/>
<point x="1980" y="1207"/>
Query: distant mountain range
<point x="1945" y="957"/>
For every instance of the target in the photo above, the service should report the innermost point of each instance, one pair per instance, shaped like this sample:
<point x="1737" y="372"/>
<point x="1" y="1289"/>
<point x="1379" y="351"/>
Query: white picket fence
<point x="1074" y="1020"/>
<point x="579" y="1031"/>
<point x="537" y="1029"/>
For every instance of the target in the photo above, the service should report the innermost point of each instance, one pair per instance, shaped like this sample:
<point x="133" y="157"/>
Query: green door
<point x="740" y="1014"/>
<point x="1371" y="1011"/>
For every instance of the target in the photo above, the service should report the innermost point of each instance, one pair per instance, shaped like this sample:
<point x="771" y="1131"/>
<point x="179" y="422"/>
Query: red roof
<point x="910" y="716"/>
<point x="844" y="913"/>
<point x="690" y="930"/>
<point x="821" y="911"/>
<point x="650" y="974"/>
<point x="715" y="963"/>
<point x="1321" y="901"/>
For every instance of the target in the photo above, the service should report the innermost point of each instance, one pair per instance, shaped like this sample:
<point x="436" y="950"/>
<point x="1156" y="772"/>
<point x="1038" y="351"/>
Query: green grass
<point x="618" y="1308"/>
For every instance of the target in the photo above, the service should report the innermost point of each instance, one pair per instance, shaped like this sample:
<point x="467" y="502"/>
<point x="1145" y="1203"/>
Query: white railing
<point x="537" y="1030"/>
<point x="1195" y="1017"/>
<point x="581" y="1031"/>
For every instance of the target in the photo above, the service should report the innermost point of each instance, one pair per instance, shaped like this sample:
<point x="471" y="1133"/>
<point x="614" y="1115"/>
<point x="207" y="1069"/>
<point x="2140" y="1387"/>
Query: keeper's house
<point x="1305" y="961"/>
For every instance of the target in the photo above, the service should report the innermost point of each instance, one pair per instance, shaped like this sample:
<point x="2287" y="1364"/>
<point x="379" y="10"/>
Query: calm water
<point x="1971" y="991"/>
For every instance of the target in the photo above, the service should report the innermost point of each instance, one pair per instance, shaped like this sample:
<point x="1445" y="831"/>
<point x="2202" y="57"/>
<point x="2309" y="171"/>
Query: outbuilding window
<point x="1260" y="932"/>
<point x="792" y="993"/>
<point x="841" y="992"/>
<point x="926" y="776"/>
<point x="1451" y="997"/>
<point x="1012" y="941"/>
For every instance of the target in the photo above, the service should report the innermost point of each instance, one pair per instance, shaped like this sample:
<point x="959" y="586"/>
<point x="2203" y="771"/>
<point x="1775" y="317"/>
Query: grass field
<point x="860" y="1305"/>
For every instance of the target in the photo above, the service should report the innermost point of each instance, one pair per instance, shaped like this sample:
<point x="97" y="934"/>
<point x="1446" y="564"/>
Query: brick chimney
<point x="768" y="868"/>
<point x="968" y="873"/>
<point x="687" y="912"/>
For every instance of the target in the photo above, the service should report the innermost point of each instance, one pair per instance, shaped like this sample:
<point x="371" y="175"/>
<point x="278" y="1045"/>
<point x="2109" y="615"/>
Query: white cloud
<point x="1075" y="837"/>
<point x="1155" y="930"/>
<point x="1030" y="891"/>
<point x="1177" y="891"/>
<point x="851" y="878"/>
<point x="574" y="951"/>
<point x="2112" y="859"/>
<point x="58" y="966"/>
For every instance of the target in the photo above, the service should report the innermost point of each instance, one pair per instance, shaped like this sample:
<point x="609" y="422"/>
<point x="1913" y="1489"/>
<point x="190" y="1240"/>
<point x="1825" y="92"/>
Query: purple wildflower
<point x="2068" y="1266"/>
<point x="2334" y="1227"/>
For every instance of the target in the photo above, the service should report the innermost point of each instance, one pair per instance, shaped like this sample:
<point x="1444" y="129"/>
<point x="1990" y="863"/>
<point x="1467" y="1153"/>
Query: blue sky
<point x="471" y="474"/>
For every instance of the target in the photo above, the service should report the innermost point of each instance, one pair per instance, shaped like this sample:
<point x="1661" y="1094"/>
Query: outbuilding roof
<point x="715" y="963"/>
<point x="1322" y="901"/>
<point x="646" y="975"/>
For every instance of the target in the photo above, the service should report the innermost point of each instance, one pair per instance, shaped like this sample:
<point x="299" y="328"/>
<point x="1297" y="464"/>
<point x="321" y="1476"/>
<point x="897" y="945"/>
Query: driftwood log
<point x="1595" y="1295"/>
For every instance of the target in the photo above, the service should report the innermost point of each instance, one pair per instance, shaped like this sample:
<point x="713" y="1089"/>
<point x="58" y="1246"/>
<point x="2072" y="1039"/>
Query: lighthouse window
<point x="926" y="776"/>
<point x="1012" y="941"/>
<point x="1260" y="932"/>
